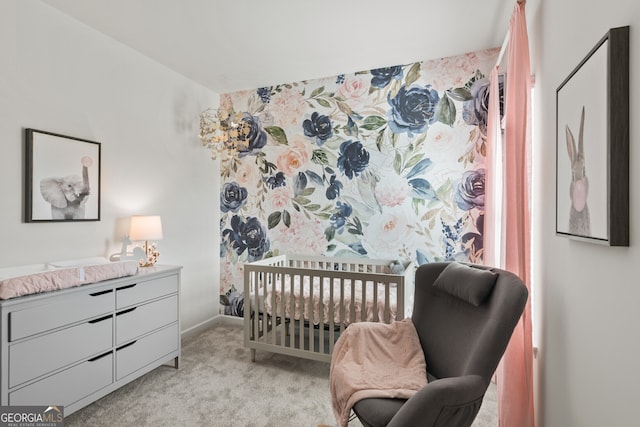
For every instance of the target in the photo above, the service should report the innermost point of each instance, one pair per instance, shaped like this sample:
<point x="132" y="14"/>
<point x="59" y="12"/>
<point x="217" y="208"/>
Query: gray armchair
<point x="464" y="316"/>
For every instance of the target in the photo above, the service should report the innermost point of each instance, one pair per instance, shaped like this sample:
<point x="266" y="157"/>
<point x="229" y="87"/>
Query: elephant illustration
<point x="68" y="195"/>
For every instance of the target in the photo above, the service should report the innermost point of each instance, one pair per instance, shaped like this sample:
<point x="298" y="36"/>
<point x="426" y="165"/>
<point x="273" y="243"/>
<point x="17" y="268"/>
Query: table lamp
<point x="146" y="227"/>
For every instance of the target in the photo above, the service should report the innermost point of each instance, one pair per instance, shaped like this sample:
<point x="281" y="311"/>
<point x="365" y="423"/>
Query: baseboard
<point x="218" y="320"/>
<point x="223" y="319"/>
<point x="195" y="330"/>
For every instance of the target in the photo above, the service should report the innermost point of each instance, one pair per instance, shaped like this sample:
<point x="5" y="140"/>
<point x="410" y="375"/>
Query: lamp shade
<point x="145" y="227"/>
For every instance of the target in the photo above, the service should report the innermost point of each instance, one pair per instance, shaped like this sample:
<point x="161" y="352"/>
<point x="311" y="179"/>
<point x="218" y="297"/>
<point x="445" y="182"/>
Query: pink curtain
<point x="515" y="373"/>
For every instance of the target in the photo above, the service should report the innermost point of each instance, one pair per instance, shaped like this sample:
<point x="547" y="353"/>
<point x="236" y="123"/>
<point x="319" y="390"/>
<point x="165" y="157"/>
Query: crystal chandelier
<point x="223" y="132"/>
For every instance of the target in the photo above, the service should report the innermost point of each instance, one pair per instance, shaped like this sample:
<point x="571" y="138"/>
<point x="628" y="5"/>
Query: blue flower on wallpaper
<point x="300" y="184"/>
<point x="339" y="218"/>
<point x="334" y="188"/>
<point x="223" y="247"/>
<point x="353" y="158"/>
<point x="470" y="190"/>
<point x="340" y="79"/>
<point x="232" y="197"/>
<point x="319" y="126"/>
<point x="413" y="110"/>
<point x="275" y="181"/>
<point x="450" y="236"/>
<point x="265" y="94"/>
<point x="472" y="244"/>
<point x="473" y="241"/>
<point x="255" y="139"/>
<point x="250" y="236"/>
<point x="480" y="223"/>
<point x="476" y="110"/>
<point x="383" y="76"/>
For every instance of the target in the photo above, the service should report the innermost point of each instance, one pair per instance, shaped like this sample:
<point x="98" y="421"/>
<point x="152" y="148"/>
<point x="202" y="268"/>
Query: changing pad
<point x="19" y="281"/>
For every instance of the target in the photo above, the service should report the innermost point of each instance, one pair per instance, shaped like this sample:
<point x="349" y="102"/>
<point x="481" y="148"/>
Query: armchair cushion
<point x="455" y="280"/>
<point x="450" y="401"/>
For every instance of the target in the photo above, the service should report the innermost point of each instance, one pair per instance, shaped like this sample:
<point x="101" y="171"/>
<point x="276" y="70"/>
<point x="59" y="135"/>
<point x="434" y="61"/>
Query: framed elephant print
<point x="592" y="145"/>
<point x="62" y="181"/>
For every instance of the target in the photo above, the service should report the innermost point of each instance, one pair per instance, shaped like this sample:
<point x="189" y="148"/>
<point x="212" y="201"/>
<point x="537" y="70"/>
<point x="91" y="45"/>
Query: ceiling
<point x="244" y="44"/>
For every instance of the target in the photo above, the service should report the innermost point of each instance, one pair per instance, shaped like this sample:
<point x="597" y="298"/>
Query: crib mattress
<point x="315" y="302"/>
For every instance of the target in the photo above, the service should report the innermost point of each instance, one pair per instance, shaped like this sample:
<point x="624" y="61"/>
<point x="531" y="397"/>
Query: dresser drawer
<point x="144" y="291"/>
<point x="69" y="386"/>
<point x="32" y="358"/>
<point x="140" y="353"/>
<point x="136" y="321"/>
<point x="59" y="311"/>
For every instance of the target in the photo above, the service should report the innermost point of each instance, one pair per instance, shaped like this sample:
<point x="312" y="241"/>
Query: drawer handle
<point x="93" y="359"/>
<point x="95" y="294"/>
<point x="129" y="310"/>
<point x="126" y="345"/>
<point x="125" y="287"/>
<point x="100" y="319"/>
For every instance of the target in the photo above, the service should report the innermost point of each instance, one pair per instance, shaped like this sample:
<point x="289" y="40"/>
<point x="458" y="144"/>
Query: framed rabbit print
<point x="592" y="145"/>
<point x="62" y="180"/>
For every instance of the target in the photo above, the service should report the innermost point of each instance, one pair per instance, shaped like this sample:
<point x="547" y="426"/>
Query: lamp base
<point x="146" y="264"/>
<point x="152" y="255"/>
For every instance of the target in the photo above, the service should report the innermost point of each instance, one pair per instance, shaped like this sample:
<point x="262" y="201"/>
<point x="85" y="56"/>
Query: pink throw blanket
<point x="375" y="360"/>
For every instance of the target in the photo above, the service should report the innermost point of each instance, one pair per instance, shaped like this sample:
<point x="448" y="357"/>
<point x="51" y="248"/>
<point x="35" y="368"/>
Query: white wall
<point x="589" y="319"/>
<point x="58" y="75"/>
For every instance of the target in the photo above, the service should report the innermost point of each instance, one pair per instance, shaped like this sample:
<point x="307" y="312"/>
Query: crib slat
<point x="387" y="307"/>
<point x="332" y="326"/>
<point x="249" y="315"/>
<point x="321" y="319"/>
<point x="352" y="306"/>
<point x="291" y="332"/>
<point x="274" y="308"/>
<point x="255" y="286"/>
<point x="376" y="316"/>
<point x="363" y="302"/>
<point x="301" y="295"/>
<point x="283" y="304"/>
<point x="400" y="308"/>
<point x="309" y="331"/>
<point x="342" y="316"/>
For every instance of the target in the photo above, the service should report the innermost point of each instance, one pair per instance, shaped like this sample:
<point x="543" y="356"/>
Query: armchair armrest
<point x="451" y="402"/>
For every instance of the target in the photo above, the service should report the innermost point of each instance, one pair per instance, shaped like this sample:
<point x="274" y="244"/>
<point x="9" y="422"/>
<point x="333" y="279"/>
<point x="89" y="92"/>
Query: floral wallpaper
<point x="384" y="163"/>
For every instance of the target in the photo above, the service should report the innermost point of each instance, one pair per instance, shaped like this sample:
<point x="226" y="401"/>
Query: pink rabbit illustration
<point x="579" y="221"/>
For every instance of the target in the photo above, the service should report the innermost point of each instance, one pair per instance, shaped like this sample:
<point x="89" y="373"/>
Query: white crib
<point x="299" y="305"/>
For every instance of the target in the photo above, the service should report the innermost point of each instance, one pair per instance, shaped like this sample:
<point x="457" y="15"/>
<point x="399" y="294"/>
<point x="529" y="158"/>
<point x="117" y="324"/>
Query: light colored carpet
<point x="218" y="385"/>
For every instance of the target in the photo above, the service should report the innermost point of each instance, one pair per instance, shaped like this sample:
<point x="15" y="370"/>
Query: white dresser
<point x="73" y="346"/>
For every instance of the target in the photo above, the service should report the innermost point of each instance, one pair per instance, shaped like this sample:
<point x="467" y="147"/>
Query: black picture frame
<point x="62" y="178"/>
<point x="592" y="115"/>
